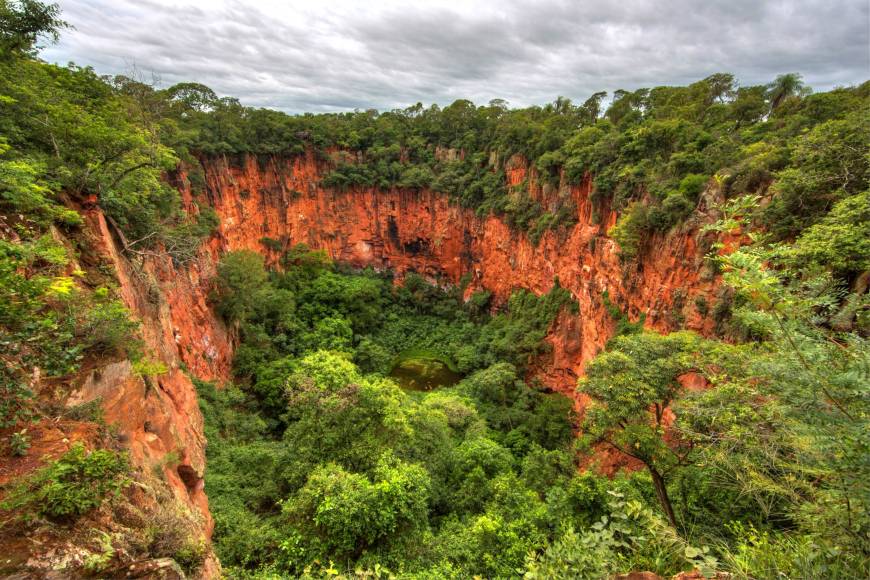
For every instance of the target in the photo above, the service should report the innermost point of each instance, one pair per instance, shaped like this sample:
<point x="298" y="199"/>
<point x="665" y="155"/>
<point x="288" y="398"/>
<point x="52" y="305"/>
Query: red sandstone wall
<point x="421" y="231"/>
<point x="158" y="417"/>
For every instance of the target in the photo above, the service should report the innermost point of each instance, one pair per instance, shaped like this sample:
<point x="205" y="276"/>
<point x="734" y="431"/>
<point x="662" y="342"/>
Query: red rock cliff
<point x="158" y="418"/>
<point x="282" y="199"/>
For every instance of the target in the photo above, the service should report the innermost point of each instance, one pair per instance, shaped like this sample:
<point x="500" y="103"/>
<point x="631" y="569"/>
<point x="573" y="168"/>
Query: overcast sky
<point x="316" y="55"/>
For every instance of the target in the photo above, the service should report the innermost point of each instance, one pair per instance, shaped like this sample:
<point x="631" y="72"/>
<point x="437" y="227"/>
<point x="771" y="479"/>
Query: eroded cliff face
<point x="157" y="418"/>
<point x="159" y="415"/>
<point x="150" y="411"/>
<point x="421" y="231"/>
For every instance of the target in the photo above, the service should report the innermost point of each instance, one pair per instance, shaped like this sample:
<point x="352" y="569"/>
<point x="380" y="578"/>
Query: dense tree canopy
<point x="359" y="469"/>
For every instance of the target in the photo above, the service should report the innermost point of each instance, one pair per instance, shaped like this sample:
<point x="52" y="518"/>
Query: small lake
<point x="423" y="371"/>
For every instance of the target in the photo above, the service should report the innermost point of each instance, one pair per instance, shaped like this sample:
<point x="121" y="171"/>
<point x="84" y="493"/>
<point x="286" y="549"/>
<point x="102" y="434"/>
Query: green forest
<point x="323" y="462"/>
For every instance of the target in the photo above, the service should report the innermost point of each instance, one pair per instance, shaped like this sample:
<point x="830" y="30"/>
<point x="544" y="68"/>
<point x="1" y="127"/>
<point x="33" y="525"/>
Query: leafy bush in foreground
<point x="71" y="486"/>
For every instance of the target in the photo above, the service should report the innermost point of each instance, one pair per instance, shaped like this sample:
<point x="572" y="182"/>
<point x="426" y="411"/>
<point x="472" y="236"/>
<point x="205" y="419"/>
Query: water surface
<point x="423" y="371"/>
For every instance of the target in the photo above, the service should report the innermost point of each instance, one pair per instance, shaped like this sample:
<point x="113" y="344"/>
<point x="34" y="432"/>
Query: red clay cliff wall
<point x="158" y="418"/>
<point x="421" y="231"/>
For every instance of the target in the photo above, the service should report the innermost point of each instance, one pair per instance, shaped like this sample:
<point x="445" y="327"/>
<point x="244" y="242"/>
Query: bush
<point x="19" y="443"/>
<point x="692" y="185"/>
<point x="417" y="177"/>
<point x="241" y="277"/>
<point x="841" y="241"/>
<point x="173" y="533"/>
<point x="629" y="230"/>
<point x="73" y="485"/>
<point x="347" y="512"/>
<point x="762" y="554"/>
<point x="673" y="210"/>
<point x="107" y="328"/>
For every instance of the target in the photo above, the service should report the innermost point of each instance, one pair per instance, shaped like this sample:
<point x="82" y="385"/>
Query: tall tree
<point x="24" y="22"/>
<point x="632" y="385"/>
<point x="785" y="86"/>
<point x="591" y="107"/>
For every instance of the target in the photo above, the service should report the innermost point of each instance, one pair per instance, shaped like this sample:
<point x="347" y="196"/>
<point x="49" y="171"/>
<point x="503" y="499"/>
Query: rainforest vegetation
<point x="319" y="464"/>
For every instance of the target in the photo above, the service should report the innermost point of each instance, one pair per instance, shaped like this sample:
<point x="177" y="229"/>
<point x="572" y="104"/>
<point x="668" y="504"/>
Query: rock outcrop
<point x="159" y="415"/>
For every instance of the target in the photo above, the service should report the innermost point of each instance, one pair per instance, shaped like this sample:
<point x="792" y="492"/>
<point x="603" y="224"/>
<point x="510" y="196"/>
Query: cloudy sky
<point x="318" y="55"/>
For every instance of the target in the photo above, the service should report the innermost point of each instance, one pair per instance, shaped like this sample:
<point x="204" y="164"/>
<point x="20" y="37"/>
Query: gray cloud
<point x="319" y="56"/>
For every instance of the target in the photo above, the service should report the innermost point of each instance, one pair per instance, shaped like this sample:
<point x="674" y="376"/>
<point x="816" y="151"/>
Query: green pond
<point x="422" y="371"/>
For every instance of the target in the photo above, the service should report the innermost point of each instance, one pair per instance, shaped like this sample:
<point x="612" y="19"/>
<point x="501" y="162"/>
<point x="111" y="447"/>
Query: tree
<point x="591" y="107"/>
<point x="785" y="86"/>
<point x="629" y="230"/>
<point x="24" y="22"/>
<point x="749" y="106"/>
<point x="334" y="412"/>
<point x="828" y="163"/>
<point x="627" y="106"/>
<point x="720" y="88"/>
<point x="841" y="241"/>
<point x="348" y="512"/>
<point x="194" y="96"/>
<point x="633" y="383"/>
<point x="241" y="280"/>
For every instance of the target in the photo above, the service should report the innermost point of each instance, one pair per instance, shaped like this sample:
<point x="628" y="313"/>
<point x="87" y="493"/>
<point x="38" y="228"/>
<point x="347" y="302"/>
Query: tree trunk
<point x="662" y="494"/>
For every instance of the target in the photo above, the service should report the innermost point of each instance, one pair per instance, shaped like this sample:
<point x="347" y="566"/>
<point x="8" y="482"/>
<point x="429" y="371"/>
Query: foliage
<point x="23" y="22"/>
<point x="319" y="464"/>
<point x="19" y="443"/>
<point x="359" y="470"/>
<point x="762" y="554"/>
<point x="653" y="146"/>
<point x="149" y="368"/>
<point x="348" y="513"/>
<point x="629" y="231"/>
<point x="241" y="277"/>
<point x="97" y="562"/>
<point x="623" y="324"/>
<point x="74" y="484"/>
<point x="172" y="532"/>
<point x="841" y="240"/>
<point x="65" y="129"/>
<point x="772" y="458"/>
<point x="604" y="547"/>
<point x="493" y="451"/>
<point x="633" y="384"/>
<point x="49" y="322"/>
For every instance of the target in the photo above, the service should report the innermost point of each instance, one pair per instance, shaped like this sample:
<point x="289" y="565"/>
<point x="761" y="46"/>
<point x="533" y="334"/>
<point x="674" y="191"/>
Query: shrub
<point x="172" y="533"/>
<point x="19" y="443"/>
<point x="629" y="230"/>
<point x="182" y="241"/>
<point x="762" y="554"/>
<point x="674" y="209"/>
<point x="841" y="240"/>
<point x="74" y="484"/>
<point x="149" y="368"/>
<point x="417" y="177"/>
<point x="240" y="281"/>
<point x="97" y="562"/>
<point x="15" y="397"/>
<point x="347" y="512"/>
<point x="624" y="325"/>
<point x="107" y="328"/>
<point x="692" y="185"/>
